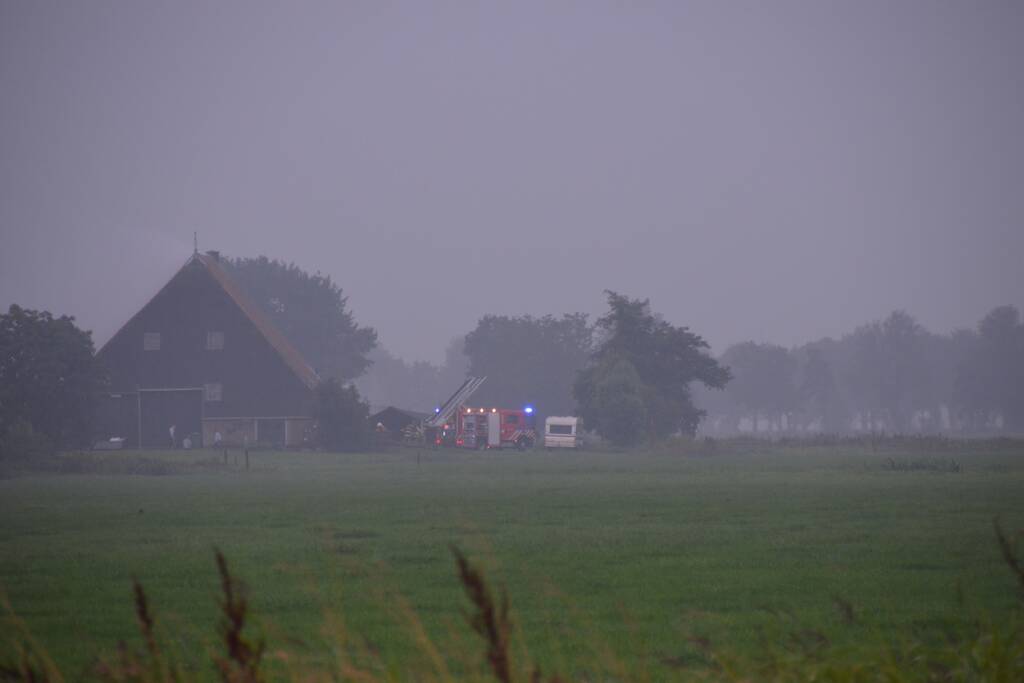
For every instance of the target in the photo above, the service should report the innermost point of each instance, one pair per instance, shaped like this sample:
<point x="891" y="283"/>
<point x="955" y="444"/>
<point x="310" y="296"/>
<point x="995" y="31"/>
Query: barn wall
<point x="291" y="432"/>
<point x="300" y="432"/>
<point x="254" y="378"/>
<point x="233" y="431"/>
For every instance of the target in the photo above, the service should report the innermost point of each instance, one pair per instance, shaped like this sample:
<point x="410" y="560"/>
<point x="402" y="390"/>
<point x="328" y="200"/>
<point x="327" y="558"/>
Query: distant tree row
<point x="891" y="375"/>
<point x="529" y="360"/>
<point x="635" y="377"/>
<point x="417" y="385"/>
<point x="655" y="379"/>
<point x="631" y="375"/>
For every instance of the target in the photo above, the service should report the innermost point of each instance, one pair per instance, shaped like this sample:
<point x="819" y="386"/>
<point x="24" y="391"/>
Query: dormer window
<point x="214" y="341"/>
<point x="150" y="341"/>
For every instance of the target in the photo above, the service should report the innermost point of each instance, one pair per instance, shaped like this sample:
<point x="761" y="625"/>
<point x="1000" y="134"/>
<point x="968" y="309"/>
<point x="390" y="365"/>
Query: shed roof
<point x="412" y="414"/>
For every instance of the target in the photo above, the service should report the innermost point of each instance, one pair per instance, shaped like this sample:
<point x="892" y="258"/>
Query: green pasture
<point x="632" y="560"/>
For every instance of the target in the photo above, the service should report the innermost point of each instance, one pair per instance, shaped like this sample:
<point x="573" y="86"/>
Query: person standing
<point x="174" y="444"/>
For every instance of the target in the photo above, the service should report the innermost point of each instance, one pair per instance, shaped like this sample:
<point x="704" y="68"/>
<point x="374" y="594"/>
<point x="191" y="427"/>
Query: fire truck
<point x="455" y="424"/>
<point x="479" y="428"/>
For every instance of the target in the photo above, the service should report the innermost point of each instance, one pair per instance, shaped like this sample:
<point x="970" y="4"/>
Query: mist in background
<point x="777" y="172"/>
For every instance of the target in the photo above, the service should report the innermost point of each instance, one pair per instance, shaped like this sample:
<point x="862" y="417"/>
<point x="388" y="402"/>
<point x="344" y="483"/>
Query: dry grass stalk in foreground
<point x="242" y="663"/>
<point x="129" y="666"/>
<point x="31" y="663"/>
<point x="1009" y="554"/>
<point x="985" y="652"/>
<point x="491" y="621"/>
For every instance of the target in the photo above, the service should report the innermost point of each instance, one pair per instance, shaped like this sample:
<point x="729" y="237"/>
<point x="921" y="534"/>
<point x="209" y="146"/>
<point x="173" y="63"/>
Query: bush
<point x="20" y="441"/>
<point x="49" y="380"/>
<point x="342" y="417"/>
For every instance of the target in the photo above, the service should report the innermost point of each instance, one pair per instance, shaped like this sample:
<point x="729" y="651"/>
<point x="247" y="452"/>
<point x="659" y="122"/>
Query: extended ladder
<point x="444" y="413"/>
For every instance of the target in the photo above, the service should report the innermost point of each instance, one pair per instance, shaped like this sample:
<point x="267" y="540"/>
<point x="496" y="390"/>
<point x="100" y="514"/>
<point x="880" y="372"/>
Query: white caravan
<point x="563" y="432"/>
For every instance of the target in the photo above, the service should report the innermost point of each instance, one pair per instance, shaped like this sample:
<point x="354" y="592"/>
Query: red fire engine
<point x="456" y="424"/>
<point x="480" y="428"/>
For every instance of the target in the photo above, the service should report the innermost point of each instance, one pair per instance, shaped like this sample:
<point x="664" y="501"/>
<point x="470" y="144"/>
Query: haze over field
<point x="777" y="173"/>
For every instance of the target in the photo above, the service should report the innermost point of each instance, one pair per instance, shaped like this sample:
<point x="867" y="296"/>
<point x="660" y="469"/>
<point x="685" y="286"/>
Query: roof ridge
<point x="277" y="340"/>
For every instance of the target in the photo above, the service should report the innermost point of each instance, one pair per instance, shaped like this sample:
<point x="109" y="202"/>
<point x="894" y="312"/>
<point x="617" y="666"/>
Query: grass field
<point x="610" y="560"/>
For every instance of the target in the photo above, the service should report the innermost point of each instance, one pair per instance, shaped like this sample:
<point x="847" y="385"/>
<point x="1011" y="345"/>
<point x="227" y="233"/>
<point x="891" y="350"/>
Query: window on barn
<point x="213" y="391"/>
<point x="214" y="341"/>
<point x="151" y="341"/>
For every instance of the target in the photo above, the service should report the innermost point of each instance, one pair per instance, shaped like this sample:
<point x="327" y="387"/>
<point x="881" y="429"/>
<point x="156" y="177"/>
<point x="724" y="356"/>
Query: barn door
<point x="271" y="433"/>
<point x="161" y="408"/>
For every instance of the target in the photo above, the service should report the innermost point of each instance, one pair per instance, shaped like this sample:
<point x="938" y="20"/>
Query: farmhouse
<point x="202" y="358"/>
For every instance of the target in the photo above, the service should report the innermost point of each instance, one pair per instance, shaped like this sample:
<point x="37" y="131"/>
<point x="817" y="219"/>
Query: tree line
<point x="631" y="375"/>
<point x="888" y="375"/>
<point x="891" y="375"/>
<point x="632" y="368"/>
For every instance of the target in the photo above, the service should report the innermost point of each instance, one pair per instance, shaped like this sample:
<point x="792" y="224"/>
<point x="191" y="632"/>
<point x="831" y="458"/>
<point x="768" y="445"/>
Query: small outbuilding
<point x="395" y="420"/>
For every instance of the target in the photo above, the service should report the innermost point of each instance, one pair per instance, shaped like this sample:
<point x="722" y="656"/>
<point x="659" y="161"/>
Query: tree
<point x="886" y="369"/>
<point x="342" y="417"/>
<point x="933" y="386"/>
<point x="973" y="404"/>
<point x="819" y="394"/>
<point x="764" y="379"/>
<point x="529" y="360"/>
<point x="311" y="311"/>
<point x="418" y="385"/>
<point x="49" y="379"/>
<point x="392" y="381"/>
<point x="666" y="360"/>
<point x="990" y="377"/>
<point x="616" y="408"/>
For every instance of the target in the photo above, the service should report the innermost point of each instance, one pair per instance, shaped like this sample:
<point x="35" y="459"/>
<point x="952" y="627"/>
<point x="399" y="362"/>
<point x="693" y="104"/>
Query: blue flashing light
<point x="528" y="409"/>
<point x="437" y="410"/>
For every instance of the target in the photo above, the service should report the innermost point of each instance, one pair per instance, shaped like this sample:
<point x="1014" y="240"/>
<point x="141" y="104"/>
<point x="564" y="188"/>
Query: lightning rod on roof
<point x="195" y="243"/>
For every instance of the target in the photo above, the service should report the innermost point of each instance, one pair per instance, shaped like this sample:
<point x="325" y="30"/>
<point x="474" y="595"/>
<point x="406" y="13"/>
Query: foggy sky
<point x="769" y="171"/>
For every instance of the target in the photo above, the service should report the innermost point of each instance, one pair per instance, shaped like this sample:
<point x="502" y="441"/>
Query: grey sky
<point x="775" y="171"/>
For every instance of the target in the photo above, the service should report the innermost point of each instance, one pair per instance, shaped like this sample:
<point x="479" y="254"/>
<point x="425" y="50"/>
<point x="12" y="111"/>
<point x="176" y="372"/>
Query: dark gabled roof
<point x="412" y="414"/>
<point x="284" y="348"/>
